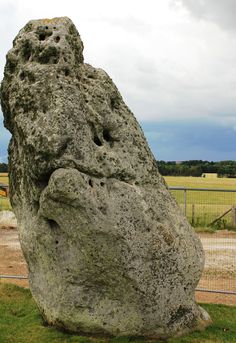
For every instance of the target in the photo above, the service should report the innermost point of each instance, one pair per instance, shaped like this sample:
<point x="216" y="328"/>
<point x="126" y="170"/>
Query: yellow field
<point x="200" y="182"/>
<point x="205" y="206"/>
<point x="4" y="202"/>
<point x="4" y="178"/>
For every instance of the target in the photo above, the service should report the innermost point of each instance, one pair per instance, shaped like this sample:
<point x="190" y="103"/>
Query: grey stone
<point x="108" y="249"/>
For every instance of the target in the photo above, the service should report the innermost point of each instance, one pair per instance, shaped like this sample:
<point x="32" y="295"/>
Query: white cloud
<point x="219" y="12"/>
<point x="166" y="64"/>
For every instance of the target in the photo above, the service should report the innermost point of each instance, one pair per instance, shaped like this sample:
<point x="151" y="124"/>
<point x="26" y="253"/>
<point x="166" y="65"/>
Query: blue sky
<point x="174" y="62"/>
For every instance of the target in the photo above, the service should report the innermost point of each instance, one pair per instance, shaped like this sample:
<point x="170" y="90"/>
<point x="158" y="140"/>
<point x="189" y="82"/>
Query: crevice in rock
<point x="26" y="50"/>
<point x="22" y="76"/>
<point x="43" y="180"/>
<point x="106" y="135"/>
<point x="112" y="103"/>
<point x="53" y="224"/>
<point x="57" y="39"/>
<point x="67" y="71"/>
<point x="97" y="140"/>
<point x="42" y="36"/>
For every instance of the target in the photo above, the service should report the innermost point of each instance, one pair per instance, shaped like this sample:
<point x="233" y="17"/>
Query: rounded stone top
<point x="46" y="42"/>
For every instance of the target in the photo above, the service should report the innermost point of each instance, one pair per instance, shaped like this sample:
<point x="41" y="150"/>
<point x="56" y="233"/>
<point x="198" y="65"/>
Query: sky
<point x="174" y="62"/>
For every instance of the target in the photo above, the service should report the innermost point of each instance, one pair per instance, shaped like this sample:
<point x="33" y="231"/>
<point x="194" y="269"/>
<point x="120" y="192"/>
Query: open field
<point x="205" y="206"/>
<point x="4" y="178"/>
<point x="4" y="202"/>
<point x="200" y="182"/>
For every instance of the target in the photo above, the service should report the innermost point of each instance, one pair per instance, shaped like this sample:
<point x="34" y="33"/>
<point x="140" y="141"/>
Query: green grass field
<point x="204" y="206"/>
<point x="21" y="322"/>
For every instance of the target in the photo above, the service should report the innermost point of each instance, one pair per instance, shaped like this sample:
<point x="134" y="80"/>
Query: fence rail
<point x="20" y="277"/>
<point x="204" y="208"/>
<point x="213" y="210"/>
<point x="207" y="206"/>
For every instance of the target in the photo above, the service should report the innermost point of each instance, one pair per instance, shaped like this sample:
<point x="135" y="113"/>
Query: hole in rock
<point x="36" y="205"/>
<point x="53" y="224"/>
<point x="106" y="135"/>
<point x="42" y="36"/>
<point x="57" y="39"/>
<point x="43" y="179"/>
<point x="102" y="184"/>
<point x="97" y="141"/>
<point x="26" y="54"/>
<point x="67" y="72"/>
<point x="11" y="66"/>
<point x="113" y="104"/>
<point x="22" y="76"/>
<point x="56" y="242"/>
<point x="46" y="27"/>
<point x="90" y="183"/>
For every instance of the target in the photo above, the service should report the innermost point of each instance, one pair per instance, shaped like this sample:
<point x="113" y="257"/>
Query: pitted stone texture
<point x="108" y="249"/>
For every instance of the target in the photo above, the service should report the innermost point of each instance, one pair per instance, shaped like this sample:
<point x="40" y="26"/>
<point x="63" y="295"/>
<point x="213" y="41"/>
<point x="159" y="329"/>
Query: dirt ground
<point x="220" y="267"/>
<point x="12" y="261"/>
<point x="219" y="273"/>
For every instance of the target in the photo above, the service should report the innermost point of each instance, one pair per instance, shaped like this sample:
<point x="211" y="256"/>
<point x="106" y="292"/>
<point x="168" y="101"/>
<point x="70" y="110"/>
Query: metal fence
<point x="207" y="207"/>
<point x="213" y="214"/>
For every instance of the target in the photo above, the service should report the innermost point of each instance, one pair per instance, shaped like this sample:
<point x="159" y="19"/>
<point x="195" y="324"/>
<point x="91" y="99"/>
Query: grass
<point x="21" y="322"/>
<point x="4" y="202"/>
<point x="4" y="178"/>
<point x="205" y="206"/>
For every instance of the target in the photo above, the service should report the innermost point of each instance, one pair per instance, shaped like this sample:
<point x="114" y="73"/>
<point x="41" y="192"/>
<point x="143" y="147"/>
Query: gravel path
<point x="219" y="273"/>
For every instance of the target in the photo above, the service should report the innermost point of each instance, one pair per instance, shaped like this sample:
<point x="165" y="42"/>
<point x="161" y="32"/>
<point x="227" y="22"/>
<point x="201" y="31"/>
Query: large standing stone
<point x="107" y="247"/>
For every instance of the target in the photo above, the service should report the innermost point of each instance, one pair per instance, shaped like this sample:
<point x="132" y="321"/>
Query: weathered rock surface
<point x="107" y="247"/>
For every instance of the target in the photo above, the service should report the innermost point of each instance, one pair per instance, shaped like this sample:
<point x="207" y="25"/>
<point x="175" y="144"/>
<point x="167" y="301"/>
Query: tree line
<point x="197" y="168"/>
<point x="185" y="168"/>
<point x="3" y="168"/>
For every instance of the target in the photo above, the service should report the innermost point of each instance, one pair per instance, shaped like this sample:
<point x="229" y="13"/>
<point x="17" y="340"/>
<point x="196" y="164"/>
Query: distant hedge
<point x="197" y="168"/>
<point x="3" y="168"/>
<point x="185" y="168"/>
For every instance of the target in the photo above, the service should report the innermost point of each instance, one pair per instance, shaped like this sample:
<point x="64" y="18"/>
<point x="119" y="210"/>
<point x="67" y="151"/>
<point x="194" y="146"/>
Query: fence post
<point x="233" y="222"/>
<point x="193" y="214"/>
<point x="185" y="202"/>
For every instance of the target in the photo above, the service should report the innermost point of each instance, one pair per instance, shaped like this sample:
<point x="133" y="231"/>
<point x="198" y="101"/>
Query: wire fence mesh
<point x="205" y="207"/>
<point x="212" y="213"/>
